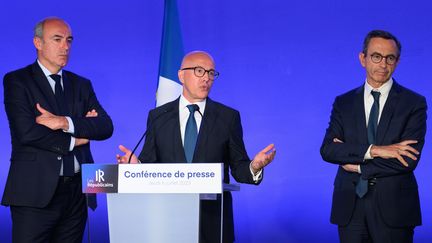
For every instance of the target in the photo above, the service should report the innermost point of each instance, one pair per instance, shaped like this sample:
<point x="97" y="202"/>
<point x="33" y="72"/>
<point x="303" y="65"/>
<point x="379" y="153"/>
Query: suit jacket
<point x="403" y="117"/>
<point x="37" y="150"/>
<point x="220" y="139"/>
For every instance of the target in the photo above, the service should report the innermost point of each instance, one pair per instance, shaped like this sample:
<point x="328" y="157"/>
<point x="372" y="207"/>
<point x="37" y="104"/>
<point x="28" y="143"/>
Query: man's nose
<point x="206" y="77"/>
<point x="383" y="63"/>
<point x="65" y="45"/>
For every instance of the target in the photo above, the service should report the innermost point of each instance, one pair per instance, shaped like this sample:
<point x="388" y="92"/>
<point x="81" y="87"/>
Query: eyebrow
<point x="383" y="55"/>
<point x="60" y="36"/>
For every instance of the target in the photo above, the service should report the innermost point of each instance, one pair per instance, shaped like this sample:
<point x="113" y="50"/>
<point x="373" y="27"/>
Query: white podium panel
<point x="162" y="218"/>
<point x="154" y="202"/>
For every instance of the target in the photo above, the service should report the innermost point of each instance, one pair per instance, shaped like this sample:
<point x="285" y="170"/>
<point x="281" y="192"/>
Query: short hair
<point x="39" y="27"/>
<point x="380" y="34"/>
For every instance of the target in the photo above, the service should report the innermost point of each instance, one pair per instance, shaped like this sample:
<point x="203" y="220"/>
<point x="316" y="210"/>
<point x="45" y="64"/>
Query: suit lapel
<point x="45" y="88"/>
<point x="207" y="124"/>
<point x="387" y="113"/>
<point x="360" y="117"/>
<point x="179" y="155"/>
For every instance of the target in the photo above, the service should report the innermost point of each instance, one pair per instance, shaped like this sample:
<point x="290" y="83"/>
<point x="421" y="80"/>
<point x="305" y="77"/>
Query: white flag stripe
<point x="168" y="90"/>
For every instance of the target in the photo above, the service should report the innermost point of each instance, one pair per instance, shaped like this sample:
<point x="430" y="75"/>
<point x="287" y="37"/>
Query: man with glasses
<point x="376" y="134"/>
<point x="196" y="129"/>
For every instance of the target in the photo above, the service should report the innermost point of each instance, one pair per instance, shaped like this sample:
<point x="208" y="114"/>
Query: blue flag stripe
<point x="172" y="43"/>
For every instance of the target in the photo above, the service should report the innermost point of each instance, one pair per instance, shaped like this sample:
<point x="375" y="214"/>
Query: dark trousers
<point x="210" y="220"/>
<point x="367" y="225"/>
<point x="63" y="220"/>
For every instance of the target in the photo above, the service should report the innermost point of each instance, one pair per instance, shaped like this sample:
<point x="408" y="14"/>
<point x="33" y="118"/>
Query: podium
<point x="155" y="202"/>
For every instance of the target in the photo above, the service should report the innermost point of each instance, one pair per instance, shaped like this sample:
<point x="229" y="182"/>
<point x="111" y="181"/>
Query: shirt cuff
<point x="256" y="177"/>
<point x="358" y="169"/>
<point x="367" y="154"/>
<point x="72" y="144"/>
<point x="71" y="129"/>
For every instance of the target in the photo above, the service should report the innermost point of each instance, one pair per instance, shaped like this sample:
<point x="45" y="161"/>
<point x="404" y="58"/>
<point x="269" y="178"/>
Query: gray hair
<point x="38" y="29"/>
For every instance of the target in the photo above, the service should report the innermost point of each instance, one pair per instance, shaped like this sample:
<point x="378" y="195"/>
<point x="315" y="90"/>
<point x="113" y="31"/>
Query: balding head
<point x="193" y="57"/>
<point x="196" y="82"/>
<point x="39" y="27"/>
<point x="53" y="40"/>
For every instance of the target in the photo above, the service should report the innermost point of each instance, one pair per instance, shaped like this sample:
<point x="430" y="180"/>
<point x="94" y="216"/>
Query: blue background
<point x="281" y="64"/>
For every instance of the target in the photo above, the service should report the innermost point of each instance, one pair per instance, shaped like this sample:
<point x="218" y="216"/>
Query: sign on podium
<point x="154" y="202"/>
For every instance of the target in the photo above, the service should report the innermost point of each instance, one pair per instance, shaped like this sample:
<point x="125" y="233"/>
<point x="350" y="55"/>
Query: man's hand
<point x="396" y="151"/>
<point x="92" y="113"/>
<point x="125" y="158"/>
<point x="350" y="168"/>
<point x="81" y="141"/>
<point x="50" y="120"/>
<point x="347" y="167"/>
<point x="263" y="158"/>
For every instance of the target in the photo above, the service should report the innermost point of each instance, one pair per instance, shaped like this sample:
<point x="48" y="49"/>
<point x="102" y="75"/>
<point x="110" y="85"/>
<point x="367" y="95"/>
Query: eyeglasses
<point x="389" y="59"/>
<point x="200" y="72"/>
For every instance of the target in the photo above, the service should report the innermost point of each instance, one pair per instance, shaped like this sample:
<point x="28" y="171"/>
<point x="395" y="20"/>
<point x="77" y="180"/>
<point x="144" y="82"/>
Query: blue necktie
<point x="191" y="133"/>
<point x="362" y="185"/>
<point x="68" y="160"/>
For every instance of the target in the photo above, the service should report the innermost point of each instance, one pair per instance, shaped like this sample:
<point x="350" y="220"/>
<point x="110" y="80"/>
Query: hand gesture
<point x="125" y="158"/>
<point x="263" y="158"/>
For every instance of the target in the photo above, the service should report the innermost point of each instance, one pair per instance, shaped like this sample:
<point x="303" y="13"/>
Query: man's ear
<point x="362" y="58"/>
<point x="181" y="76"/>
<point x="37" y="43"/>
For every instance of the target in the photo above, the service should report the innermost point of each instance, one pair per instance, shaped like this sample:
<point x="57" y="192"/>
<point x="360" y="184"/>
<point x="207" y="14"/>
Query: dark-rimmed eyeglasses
<point x="200" y="72"/>
<point x="389" y="59"/>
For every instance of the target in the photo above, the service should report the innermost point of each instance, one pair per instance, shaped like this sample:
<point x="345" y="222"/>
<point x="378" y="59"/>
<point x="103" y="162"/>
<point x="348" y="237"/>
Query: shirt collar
<point x="46" y="71"/>
<point x="184" y="102"/>
<point x="384" y="89"/>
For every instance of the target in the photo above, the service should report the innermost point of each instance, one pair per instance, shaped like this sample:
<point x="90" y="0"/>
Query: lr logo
<point x="100" y="175"/>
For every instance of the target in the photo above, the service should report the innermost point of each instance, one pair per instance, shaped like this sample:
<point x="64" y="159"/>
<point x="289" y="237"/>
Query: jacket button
<point x="59" y="157"/>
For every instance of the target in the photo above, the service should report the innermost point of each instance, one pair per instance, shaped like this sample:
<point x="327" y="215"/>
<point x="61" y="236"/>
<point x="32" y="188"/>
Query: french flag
<point x="169" y="87"/>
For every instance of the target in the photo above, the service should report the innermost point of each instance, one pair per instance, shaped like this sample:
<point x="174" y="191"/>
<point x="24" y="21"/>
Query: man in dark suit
<point x="52" y="113"/>
<point x="375" y="135"/>
<point x="218" y="138"/>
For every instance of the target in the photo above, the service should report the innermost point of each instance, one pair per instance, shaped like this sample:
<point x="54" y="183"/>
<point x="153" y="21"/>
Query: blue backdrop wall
<point x="281" y="63"/>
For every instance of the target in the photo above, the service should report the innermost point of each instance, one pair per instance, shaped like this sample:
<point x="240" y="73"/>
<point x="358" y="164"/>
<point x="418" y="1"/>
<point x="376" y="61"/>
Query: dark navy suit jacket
<point x="403" y="117"/>
<point x="37" y="150"/>
<point x="220" y="139"/>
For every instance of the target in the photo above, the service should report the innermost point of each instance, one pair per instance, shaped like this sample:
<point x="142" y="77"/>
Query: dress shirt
<point x="71" y="129"/>
<point x="368" y="102"/>
<point x="184" y="115"/>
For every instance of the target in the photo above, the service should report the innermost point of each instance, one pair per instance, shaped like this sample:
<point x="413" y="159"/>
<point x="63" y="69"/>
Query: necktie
<point x="59" y="94"/>
<point x="362" y="185"/>
<point x="191" y="133"/>
<point x="68" y="160"/>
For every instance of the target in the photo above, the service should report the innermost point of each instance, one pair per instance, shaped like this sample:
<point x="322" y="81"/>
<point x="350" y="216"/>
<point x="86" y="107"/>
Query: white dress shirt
<point x="184" y="115"/>
<point x="368" y="102"/>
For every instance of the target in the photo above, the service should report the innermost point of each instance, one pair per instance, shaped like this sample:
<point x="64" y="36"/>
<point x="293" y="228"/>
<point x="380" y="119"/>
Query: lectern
<point x="155" y="202"/>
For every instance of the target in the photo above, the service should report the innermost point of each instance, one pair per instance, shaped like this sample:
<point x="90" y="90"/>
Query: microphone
<point x="199" y="112"/>
<point x="148" y="129"/>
